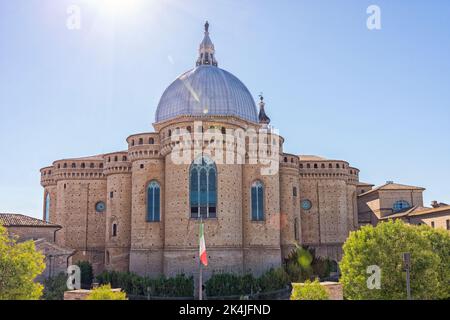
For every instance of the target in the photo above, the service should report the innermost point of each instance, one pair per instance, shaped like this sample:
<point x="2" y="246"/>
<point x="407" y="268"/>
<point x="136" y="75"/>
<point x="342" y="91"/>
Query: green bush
<point x="229" y="284"/>
<point x="383" y="246"/>
<point x="309" y="291"/>
<point x="54" y="287"/>
<point x="105" y="293"/>
<point x="302" y="264"/>
<point x="86" y="274"/>
<point x="274" y="279"/>
<point x="440" y="244"/>
<point x="131" y="283"/>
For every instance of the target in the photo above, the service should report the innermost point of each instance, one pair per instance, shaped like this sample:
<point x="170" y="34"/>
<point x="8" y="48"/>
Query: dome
<point x="206" y="90"/>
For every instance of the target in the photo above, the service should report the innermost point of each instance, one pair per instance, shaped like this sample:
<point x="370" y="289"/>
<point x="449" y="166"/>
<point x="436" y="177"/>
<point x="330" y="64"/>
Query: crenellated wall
<point x="79" y="185"/>
<point x="330" y="186"/>
<point x="290" y="220"/>
<point x="118" y="211"/>
<point x="147" y="238"/>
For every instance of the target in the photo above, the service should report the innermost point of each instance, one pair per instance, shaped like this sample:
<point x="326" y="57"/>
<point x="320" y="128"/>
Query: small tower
<point x="206" y="50"/>
<point x="262" y="117"/>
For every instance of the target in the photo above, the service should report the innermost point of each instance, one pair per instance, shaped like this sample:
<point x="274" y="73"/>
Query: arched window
<point x="257" y="201"/>
<point x="203" y="188"/>
<point x="153" y="202"/>
<point x="294" y="191"/>
<point x="141" y="141"/>
<point x="400" y="205"/>
<point x="114" y="229"/>
<point x="151" y="141"/>
<point x="47" y="208"/>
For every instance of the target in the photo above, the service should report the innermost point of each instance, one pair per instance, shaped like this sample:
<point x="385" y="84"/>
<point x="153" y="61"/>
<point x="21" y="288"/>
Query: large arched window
<point x="257" y="201"/>
<point x="47" y="208"/>
<point x="153" y="201"/>
<point x="203" y="188"/>
<point x="401" y="205"/>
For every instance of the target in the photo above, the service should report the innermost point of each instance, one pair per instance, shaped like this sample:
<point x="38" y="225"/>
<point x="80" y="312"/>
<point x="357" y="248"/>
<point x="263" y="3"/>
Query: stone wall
<point x="33" y="233"/>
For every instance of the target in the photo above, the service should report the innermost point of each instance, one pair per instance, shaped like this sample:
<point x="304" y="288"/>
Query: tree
<point x="20" y="264"/>
<point x="105" y="293"/>
<point x="86" y="275"/>
<point x="55" y="287"/>
<point x="440" y="243"/>
<point x="383" y="246"/>
<point x="309" y="291"/>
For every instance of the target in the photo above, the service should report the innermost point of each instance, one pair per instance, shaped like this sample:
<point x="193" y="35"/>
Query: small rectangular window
<point x="432" y="224"/>
<point x="448" y="224"/>
<point x="111" y="194"/>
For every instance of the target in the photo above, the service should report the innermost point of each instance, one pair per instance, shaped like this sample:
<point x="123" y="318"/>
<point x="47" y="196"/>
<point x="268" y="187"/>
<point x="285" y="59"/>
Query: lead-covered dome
<point x="206" y="90"/>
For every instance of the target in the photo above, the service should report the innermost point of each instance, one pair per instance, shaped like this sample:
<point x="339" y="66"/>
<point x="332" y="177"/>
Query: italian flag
<point x="202" y="252"/>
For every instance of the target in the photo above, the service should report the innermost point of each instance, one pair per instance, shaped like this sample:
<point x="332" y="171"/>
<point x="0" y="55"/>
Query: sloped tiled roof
<point x="405" y="213"/>
<point x="16" y="220"/>
<point x="393" y="186"/>
<point x="416" y="211"/>
<point x="430" y="210"/>
<point x="46" y="246"/>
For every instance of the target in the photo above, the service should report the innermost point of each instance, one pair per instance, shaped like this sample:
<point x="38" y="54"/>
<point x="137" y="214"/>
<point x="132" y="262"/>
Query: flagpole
<point x="200" y="291"/>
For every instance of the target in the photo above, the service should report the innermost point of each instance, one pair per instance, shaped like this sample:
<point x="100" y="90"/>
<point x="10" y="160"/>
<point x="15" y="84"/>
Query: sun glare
<point x="117" y="7"/>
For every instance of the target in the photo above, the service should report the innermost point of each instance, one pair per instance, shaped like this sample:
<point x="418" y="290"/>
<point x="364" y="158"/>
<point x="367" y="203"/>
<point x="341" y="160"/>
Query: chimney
<point x="389" y="182"/>
<point x="434" y="204"/>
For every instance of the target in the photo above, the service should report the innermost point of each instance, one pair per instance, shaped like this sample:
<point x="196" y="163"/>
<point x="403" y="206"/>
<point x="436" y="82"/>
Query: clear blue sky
<point x="378" y="99"/>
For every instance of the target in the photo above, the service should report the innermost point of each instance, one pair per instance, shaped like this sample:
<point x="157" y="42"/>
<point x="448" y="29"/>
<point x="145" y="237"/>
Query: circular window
<point x="100" y="206"/>
<point x="306" y="204"/>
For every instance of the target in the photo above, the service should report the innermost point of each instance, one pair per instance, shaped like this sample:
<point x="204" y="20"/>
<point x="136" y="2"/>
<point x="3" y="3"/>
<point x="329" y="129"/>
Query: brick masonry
<point x="234" y="242"/>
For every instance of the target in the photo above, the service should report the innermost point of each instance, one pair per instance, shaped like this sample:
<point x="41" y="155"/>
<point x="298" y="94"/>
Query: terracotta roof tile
<point x="392" y="186"/>
<point x="14" y="219"/>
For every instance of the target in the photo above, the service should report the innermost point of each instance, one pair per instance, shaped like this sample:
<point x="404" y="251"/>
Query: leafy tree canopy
<point x="20" y="264"/>
<point x="383" y="246"/>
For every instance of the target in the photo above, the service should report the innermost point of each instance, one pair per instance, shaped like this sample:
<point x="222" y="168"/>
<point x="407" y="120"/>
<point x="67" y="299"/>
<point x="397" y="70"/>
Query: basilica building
<point x="212" y="156"/>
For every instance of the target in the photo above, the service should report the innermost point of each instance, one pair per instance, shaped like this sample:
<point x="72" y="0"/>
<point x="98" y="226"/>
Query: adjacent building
<point x="43" y="234"/>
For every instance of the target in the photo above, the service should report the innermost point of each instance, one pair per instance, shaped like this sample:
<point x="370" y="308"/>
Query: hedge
<point x="131" y="283"/>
